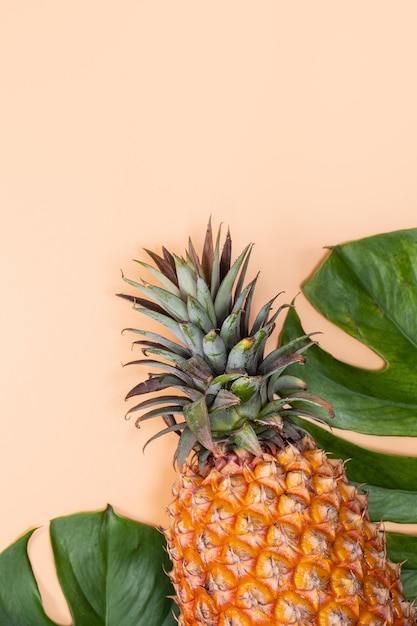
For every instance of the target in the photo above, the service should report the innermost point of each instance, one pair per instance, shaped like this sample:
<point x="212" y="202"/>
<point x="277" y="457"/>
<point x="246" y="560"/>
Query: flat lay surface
<point x="125" y="126"/>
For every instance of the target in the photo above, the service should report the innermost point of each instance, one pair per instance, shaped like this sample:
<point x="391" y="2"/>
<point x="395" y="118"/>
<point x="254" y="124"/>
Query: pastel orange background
<point x="125" y="125"/>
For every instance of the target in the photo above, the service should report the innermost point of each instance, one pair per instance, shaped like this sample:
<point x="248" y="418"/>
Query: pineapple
<point x="264" y="527"/>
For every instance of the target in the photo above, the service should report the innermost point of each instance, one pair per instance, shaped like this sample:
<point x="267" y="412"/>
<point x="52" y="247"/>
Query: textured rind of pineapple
<point x="281" y="539"/>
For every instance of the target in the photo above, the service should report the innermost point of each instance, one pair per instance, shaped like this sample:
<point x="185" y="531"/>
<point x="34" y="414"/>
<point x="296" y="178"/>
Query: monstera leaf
<point x="111" y="570"/>
<point x="368" y="288"/>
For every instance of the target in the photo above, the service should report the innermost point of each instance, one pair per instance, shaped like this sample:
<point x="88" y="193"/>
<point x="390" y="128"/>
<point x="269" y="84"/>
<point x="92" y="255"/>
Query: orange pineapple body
<point x="279" y="539"/>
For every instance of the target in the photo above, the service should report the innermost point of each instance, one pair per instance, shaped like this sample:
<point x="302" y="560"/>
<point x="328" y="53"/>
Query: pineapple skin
<point x="282" y="538"/>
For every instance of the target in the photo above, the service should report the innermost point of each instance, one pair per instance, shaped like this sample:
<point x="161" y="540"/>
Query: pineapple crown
<point x="225" y="393"/>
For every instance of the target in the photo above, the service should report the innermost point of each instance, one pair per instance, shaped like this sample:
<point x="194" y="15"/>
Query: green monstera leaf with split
<point x="111" y="570"/>
<point x="368" y="288"/>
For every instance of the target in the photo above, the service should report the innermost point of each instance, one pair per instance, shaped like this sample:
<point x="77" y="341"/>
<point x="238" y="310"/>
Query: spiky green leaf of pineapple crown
<point x="226" y="392"/>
